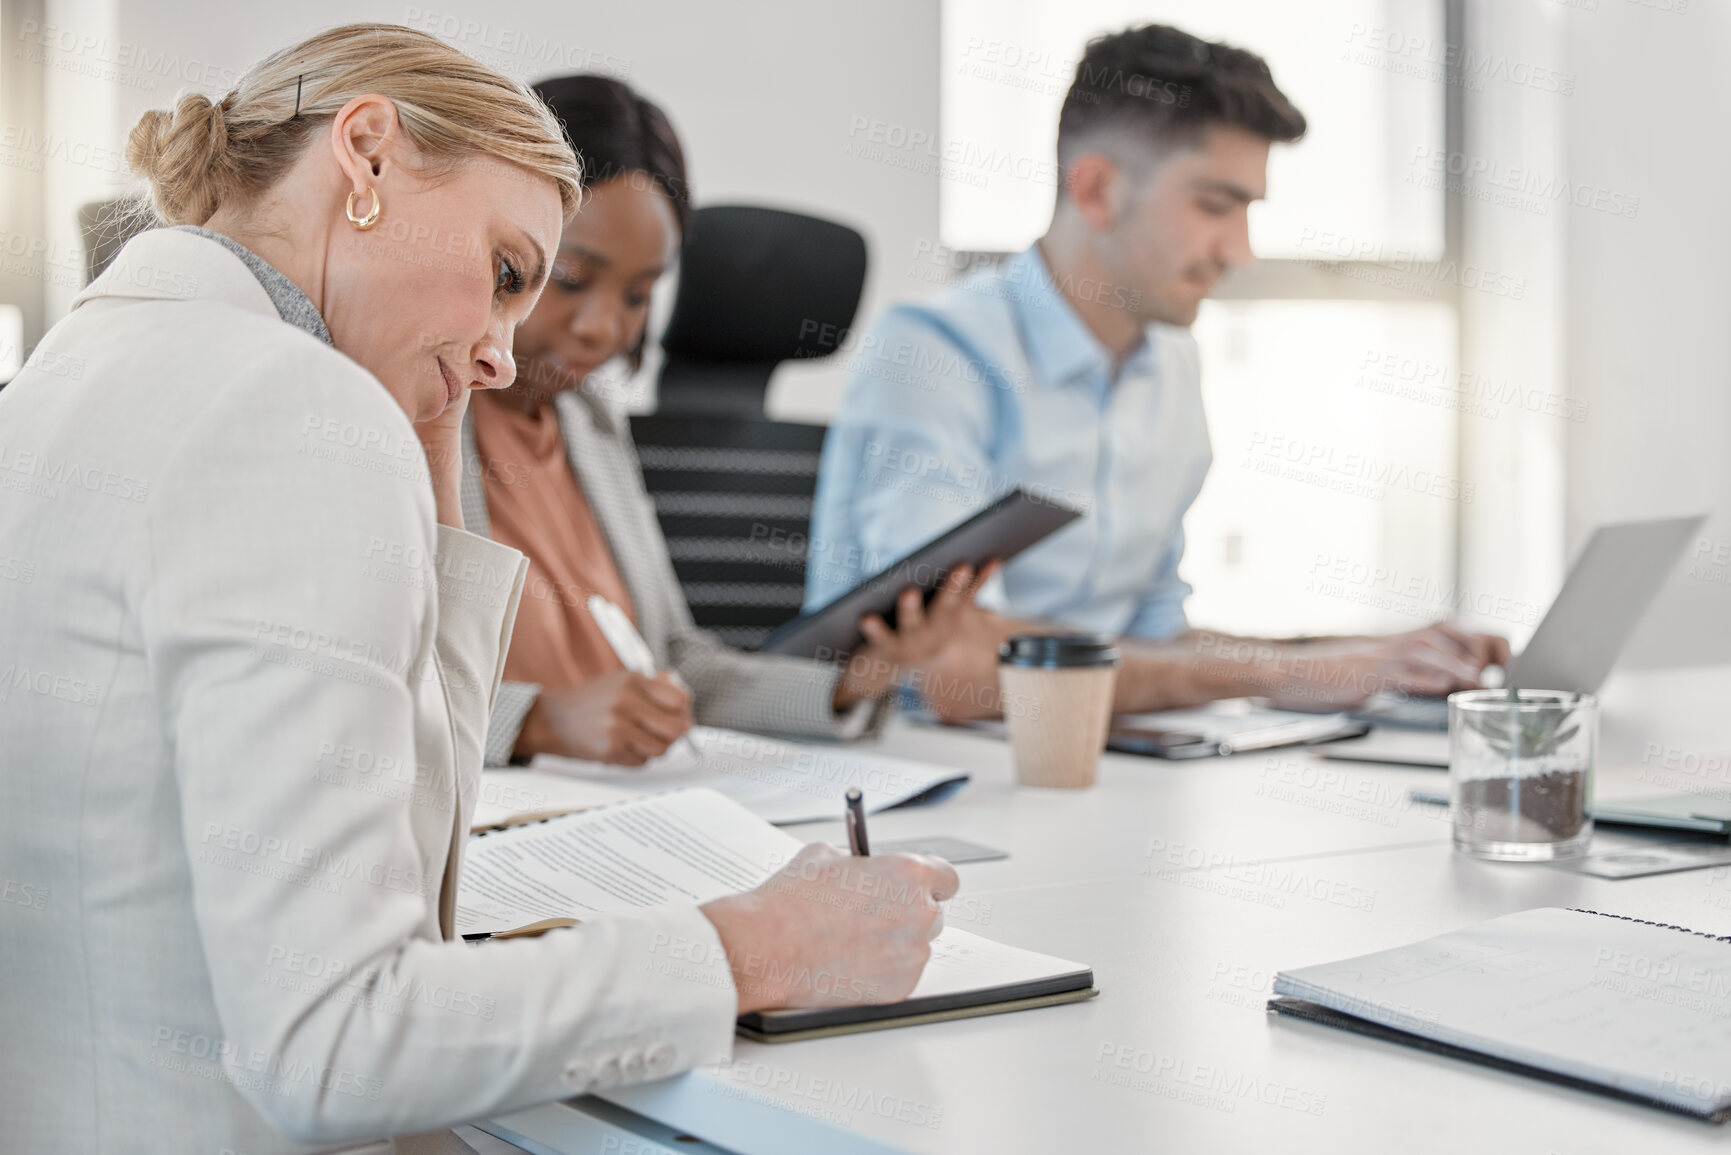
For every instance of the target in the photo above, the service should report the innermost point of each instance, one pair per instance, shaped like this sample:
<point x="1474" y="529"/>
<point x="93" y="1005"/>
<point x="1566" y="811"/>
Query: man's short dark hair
<point x="1166" y="86"/>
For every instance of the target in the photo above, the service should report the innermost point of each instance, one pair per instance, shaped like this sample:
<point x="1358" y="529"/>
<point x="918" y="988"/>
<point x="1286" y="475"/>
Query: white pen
<point x="634" y="653"/>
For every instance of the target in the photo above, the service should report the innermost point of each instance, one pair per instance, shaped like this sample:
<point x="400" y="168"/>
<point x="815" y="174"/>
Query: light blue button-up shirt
<point x="998" y="383"/>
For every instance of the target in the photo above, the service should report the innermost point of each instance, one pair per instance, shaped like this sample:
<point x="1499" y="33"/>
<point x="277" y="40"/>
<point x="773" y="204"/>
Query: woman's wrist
<point x="448" y="501"/>
<point x="532" y="735"/>
<point x="736" y="921"/>
<point x="442" y="443"/>
<point x="445" y="472"/>
<point x="861" y="677"/>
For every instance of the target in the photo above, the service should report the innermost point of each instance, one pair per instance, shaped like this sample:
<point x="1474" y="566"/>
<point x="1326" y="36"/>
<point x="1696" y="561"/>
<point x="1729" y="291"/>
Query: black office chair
<point x="733" y="490"/>
<point x="105" y="227"/>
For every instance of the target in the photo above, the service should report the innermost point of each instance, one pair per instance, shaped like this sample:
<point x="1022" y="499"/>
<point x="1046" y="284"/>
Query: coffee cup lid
<point x="1058" y="650"/>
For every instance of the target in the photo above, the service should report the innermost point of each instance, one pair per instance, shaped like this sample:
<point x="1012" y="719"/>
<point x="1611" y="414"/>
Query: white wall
<point x="1649" y="301"/>
<point x="766" y="96"/>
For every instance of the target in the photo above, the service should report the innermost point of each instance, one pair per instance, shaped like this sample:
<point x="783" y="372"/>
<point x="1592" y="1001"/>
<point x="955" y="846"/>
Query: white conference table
<point x="1186" y="886"/>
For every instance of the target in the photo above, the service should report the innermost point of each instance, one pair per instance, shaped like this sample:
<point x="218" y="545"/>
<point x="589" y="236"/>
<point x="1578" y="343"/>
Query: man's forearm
<point x="1171" y="674"/>
<point x="1164" y="677"/>
<point x="1201" y="666"/>
<point x="1196" y="667"/>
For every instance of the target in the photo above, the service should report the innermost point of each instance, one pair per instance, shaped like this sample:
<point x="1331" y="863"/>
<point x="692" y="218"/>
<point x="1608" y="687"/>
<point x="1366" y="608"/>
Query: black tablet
<point x="1002" y="530"/>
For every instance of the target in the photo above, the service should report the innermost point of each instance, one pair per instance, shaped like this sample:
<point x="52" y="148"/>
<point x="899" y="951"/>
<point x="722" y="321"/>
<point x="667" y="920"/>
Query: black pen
<point x="856" y="830"/>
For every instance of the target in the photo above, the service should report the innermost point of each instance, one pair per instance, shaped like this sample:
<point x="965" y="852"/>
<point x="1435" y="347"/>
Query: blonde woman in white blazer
<point x="249" y="654"/>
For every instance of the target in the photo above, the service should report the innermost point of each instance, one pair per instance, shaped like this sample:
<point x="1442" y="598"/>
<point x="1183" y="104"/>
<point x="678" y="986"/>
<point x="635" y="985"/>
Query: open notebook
<point x="1637" y="1010"/>
<point x="689" y="846"/>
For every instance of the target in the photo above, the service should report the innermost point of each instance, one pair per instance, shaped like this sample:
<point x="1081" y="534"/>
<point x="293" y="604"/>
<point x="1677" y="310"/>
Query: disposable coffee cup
<point x="1056" y="691"/>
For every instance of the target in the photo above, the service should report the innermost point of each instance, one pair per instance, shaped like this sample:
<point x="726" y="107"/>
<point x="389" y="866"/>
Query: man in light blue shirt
<point x="1070" y="370"/>
<point x="999" y="383"/>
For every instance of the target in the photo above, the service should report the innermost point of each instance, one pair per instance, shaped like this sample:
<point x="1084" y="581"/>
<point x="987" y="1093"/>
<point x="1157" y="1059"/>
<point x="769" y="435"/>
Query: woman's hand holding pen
<point x="833" y="930"/>
<point x="921" y="635"/>
<point x="621" y="718"/>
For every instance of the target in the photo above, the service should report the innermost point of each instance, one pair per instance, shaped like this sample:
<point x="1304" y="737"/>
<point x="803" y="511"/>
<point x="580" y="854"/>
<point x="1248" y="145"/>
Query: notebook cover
<point x="1327" y="1016"/>
<point x="747" y="1031"/>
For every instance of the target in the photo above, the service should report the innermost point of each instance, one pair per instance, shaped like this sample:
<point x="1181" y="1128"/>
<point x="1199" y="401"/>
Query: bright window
<point x="1366" y="74"/>
<point x="1331" y="504"/>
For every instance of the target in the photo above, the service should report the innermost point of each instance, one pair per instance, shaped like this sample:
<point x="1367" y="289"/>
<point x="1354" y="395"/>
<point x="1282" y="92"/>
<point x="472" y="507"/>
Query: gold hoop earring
<point x="372" y="218"/>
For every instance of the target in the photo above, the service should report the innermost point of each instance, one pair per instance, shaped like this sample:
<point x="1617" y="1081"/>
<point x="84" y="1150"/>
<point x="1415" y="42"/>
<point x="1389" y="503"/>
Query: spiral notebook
<point x="1640" y="1011"/>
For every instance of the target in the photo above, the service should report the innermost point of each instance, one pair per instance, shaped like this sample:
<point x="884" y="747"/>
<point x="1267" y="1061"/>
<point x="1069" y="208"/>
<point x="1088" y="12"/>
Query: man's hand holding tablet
<point x="923" y="635"/>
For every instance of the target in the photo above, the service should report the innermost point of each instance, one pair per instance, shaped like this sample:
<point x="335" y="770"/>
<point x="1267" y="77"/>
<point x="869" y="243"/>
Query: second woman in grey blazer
<point x="596" y="309"/>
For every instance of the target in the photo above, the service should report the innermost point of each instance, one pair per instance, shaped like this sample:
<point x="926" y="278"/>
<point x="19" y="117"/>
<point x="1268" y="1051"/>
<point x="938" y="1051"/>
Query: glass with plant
<point x="1521" y="772"/>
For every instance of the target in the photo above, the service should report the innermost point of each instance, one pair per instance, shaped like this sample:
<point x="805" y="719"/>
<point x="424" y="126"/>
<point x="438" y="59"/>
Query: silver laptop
<point x="1608" y="589"/>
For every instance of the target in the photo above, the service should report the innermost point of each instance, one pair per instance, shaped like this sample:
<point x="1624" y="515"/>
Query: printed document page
<point x="684" y="847"/>
<point x="780" y="782"/>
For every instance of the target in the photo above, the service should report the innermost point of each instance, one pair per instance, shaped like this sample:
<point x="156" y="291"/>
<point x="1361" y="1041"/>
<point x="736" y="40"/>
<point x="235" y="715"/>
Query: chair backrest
<point x="106" y="226"/>
<point x="734" y="501"/>
<point x="733" y="490"/>
<point x="757" y="287"/>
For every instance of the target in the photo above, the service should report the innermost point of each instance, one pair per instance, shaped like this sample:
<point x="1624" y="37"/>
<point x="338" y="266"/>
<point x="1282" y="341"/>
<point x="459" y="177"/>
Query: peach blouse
<point x="536" y="505"/>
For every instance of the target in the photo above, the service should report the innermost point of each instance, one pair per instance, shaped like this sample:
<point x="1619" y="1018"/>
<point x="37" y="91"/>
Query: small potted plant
<point x="1520" y="772"/>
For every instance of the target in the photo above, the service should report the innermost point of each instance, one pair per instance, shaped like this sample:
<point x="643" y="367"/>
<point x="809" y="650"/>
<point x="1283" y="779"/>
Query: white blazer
<point x="244" y="685"/>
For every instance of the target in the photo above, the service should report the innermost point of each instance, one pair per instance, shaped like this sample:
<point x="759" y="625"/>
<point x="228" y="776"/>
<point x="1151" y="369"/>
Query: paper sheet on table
<point x="781" y="782"/>
<point x="1241" y="719"/>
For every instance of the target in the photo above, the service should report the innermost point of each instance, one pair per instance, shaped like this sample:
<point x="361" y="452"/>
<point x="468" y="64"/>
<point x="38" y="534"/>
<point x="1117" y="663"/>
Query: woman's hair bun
<point x="184" y="156"/>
